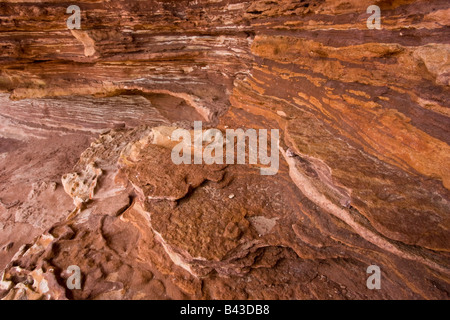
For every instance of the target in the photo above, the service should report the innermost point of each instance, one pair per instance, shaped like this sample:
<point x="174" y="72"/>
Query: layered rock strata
<point x="364" y="150"/>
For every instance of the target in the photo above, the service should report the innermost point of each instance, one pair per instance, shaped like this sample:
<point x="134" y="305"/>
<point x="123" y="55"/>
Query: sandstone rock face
<point x="87" y="180"/>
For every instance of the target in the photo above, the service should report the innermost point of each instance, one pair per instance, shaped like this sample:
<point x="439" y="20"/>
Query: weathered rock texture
<point x="364" y="172"/>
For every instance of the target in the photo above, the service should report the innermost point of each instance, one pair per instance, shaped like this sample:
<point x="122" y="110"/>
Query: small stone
<point x="231" y="196"/>
<point x="281" y="113"/>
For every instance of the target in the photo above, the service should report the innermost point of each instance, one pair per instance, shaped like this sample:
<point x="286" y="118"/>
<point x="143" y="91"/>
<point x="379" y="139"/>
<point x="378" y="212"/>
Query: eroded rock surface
<point x="364" y="150"/>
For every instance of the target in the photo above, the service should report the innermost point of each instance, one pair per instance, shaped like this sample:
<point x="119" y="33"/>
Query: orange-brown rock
<point x="364" y="174"/>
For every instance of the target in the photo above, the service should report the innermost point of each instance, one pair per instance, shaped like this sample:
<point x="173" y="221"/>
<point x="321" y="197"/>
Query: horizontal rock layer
<point x="364" y="149"/>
